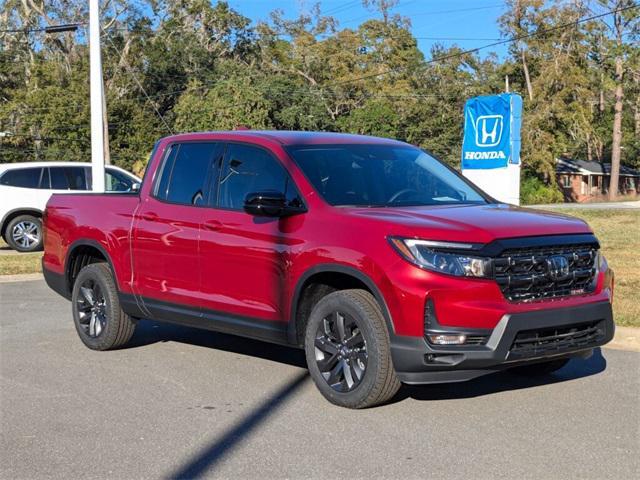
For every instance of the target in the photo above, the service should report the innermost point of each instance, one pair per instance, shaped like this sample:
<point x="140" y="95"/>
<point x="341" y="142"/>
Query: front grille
<point x="534" y="343"/>
<point x="546" y="272"/>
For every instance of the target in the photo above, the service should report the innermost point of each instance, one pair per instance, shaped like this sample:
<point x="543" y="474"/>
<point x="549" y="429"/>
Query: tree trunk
<point x="526" y="75"/>
<point x="636" y="117"/>
<point x="616" y="147"/>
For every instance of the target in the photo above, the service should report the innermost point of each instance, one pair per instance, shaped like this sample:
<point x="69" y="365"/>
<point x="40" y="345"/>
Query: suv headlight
<point x="438" y="257"/>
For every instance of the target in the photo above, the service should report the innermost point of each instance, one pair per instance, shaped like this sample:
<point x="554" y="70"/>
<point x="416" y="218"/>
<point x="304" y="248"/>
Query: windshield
<point x="381" y="175"/>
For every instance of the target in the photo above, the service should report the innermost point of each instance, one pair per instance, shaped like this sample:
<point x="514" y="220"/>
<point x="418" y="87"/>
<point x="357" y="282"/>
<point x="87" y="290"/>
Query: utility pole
<point x="97" y="107"/>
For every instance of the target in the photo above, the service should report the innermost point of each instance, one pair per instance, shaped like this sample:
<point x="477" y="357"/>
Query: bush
<point x="535" y="191"/>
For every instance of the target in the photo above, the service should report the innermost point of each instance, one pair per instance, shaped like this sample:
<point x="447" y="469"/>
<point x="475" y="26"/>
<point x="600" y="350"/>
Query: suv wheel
<point x="347" y="350"/>
<point x="99" y="320"/>
<point x="24" y="233"/>
<point x="539" y="369"/>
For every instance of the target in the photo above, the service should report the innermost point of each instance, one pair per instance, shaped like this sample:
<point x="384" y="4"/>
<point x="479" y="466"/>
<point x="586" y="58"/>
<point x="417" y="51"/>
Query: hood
<point x="472" y="223"/>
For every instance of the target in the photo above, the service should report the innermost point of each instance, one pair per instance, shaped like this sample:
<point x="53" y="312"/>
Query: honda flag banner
<point x="491" y="145"/>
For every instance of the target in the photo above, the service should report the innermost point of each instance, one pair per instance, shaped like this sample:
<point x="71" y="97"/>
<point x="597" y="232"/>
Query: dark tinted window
<point x="185" y="172"/>
<point x="250" y="169"/>
<point x="165" y="174"/>
<point x="68" y="178"/>
<point x="381" y="175"/>
<point x="22" y="177"/>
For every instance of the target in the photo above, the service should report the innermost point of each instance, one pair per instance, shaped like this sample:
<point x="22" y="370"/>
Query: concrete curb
<point x="21" y="277"/>
<point x="626" y="338"/>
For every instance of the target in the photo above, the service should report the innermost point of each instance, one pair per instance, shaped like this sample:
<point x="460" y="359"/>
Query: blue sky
<point x="472" y="20"/>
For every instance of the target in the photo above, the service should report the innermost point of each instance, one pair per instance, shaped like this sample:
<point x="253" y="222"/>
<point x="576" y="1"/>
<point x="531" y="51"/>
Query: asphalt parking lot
<point x="183" y="403"/>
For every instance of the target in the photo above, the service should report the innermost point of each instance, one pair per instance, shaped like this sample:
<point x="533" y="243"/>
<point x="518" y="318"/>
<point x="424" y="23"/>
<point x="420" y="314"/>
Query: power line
<point x="343" y="7"/>
<point x="489" y="45"/>
<point x="135" y="78"/>
<point x="439" y="12"/>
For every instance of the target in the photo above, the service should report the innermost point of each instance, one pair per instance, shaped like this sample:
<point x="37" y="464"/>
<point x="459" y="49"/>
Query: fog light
<point x="445" y="339"/>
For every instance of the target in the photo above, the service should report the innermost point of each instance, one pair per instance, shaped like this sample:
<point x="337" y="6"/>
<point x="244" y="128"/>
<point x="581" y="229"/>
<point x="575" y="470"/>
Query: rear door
<point x="166" y="229"/>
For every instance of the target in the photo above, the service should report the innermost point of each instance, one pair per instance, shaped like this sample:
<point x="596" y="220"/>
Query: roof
<point x="583" y="167"/>
<point x="290" y="137"/>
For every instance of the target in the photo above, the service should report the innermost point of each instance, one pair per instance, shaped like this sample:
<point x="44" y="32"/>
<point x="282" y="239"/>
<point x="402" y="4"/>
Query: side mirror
<point x="135" y="187"/>
<point x="269" y="204"/>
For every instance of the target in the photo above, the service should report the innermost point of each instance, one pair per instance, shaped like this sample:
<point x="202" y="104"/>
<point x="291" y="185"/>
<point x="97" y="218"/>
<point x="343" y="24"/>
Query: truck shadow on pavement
<point x="149" y="332"/>
<point x="204" y="461"/>
<point x="503" y="381"/>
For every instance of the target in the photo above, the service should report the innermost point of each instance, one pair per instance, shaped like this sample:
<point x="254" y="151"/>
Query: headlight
<point x="435" y="257"/>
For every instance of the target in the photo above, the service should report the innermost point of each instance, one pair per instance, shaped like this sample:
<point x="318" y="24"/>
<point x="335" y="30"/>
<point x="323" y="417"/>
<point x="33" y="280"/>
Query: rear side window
<point x="68" y="178"/>
<point x="186" y="171"/>
<point x="250" y="169"/>
<point x="22" y="177"/>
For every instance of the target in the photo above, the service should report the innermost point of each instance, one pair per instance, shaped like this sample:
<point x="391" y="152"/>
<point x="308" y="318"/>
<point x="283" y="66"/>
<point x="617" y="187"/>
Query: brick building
<point x="583" y="181"/>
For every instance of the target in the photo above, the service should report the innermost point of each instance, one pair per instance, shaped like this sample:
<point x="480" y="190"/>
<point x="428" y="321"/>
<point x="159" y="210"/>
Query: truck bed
<point x="103" y="219"/>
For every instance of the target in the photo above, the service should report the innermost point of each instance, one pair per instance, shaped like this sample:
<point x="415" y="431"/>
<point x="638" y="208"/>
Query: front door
<point x="244" y="257"/>
<point x="166" y="229"/>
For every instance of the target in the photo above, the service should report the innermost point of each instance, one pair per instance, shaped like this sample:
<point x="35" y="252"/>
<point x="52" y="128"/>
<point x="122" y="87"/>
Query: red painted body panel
<point x="234" y="263"/>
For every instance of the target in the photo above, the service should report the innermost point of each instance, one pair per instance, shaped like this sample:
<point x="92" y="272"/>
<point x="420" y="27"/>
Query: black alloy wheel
<point x="348" y="352"/>
<point x="98" y="317"/>
<point x="341" y="351"/>
<point x="91" y="307"/>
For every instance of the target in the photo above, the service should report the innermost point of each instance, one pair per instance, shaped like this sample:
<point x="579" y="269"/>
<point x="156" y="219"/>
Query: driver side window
<point x="250" y="169"/>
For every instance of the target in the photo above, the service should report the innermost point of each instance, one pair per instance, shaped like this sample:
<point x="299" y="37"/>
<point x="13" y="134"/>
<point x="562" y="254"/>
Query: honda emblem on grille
<point x="558" y="267"/>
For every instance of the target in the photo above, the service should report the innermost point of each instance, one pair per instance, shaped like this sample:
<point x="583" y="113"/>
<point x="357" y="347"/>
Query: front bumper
<point x="418" y="362"/>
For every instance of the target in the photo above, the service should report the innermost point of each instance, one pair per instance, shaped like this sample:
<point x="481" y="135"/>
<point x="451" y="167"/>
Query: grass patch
<point x="619" y="234"/>
<point x="12" y="262"/>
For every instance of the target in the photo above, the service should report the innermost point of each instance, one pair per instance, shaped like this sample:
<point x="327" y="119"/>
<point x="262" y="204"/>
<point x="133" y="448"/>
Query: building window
<point x="629" y="183"/>
<point x="566" y="181"/>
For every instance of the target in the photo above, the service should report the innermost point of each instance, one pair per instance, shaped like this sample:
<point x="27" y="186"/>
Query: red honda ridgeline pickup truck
<point x="384" y="264"/>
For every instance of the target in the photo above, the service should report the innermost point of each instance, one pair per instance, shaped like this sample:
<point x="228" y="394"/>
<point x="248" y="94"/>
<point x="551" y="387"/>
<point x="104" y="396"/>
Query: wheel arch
<point x="82" y="253"/>
<point x="319" y="275"/>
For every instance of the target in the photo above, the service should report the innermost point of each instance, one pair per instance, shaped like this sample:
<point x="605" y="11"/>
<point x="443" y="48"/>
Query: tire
<point x="99" y="320"/>
<point x="540" y="369"/>
<point x="332" y="361"/>
<point x="24" y="233"/>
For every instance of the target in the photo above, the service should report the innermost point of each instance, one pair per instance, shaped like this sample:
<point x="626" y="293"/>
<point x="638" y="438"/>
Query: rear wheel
<point x="24" y="233"/>
<point x="539" y="369"/>
<point x="347" y="350"/>
<point x="100" y="322"/>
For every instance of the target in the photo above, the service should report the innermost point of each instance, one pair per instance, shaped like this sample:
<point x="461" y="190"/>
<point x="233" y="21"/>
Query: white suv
<point x="25" y="189"/>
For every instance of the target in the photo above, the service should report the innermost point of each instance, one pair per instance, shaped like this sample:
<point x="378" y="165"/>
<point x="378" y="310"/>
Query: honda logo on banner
<point x="491" y="138"/>
<point x="491" y="145"/>
<point x="489" y="130"/>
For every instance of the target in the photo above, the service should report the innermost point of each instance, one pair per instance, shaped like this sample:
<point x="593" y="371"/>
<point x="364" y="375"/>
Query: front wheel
<point x="100" y="322"/>
<point x="348" y="352"/>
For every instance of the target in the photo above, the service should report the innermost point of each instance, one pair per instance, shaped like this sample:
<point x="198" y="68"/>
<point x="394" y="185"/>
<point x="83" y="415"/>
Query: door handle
<point x="212" y="225"/>
<point x="150" y="216"/>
